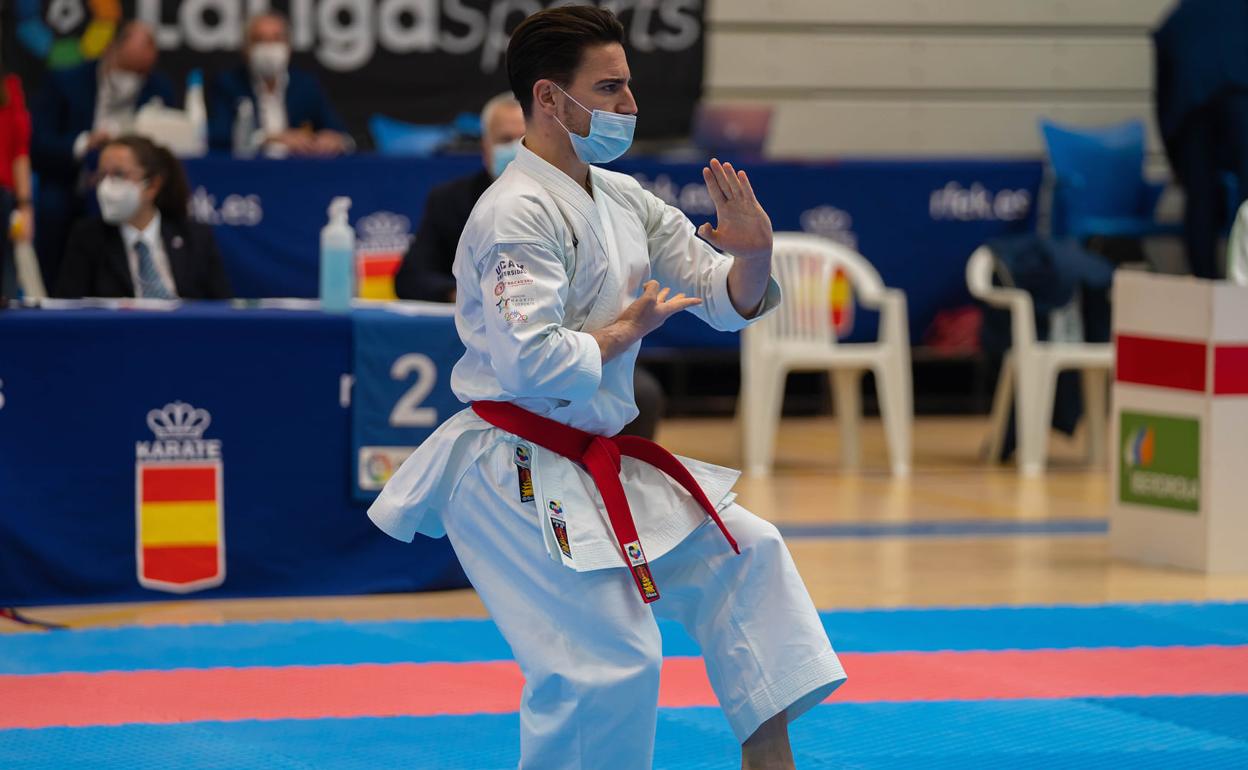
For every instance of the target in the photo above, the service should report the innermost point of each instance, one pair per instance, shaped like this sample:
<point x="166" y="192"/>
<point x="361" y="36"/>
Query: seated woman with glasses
<point x="144" y="243"/>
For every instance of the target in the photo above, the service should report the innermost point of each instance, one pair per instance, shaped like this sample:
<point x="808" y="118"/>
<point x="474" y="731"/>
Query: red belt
<point x="600" y="457"/>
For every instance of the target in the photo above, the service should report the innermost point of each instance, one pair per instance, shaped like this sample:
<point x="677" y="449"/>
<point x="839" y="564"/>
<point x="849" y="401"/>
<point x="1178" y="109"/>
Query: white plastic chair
<point x="800" y="336"/>
<point x="1029" y="374"/>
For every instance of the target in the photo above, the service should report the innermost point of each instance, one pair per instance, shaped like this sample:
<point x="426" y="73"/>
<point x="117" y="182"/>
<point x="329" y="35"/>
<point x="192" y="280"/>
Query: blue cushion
<point x="395" y="137"/>
<point x="1099" y="170"/>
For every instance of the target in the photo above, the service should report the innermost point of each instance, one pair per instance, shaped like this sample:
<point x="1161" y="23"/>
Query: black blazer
<point x="426" y="269"/>
<point x="95" y="263"/>
<point x="65" y="107"/>
<point x="306" y="104"/>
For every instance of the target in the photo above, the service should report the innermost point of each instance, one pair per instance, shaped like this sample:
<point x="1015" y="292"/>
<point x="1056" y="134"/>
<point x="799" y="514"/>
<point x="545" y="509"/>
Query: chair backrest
<point x="1098" y="172"/>
<point x="396" y="137"/>
<point x="979" y="277"/>
<point x="979" y="270"/>
<point x="805" y="265"/>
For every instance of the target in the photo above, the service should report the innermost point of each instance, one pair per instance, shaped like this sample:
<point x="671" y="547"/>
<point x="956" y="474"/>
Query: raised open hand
<point x="742" y="228"/>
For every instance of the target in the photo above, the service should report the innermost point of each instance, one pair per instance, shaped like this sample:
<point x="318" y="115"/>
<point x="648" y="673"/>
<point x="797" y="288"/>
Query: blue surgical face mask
<point x="610" y="134"/>
<point x="501" y="155"/>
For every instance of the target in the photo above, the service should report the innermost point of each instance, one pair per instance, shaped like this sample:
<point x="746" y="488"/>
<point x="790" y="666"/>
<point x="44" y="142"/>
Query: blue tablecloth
<point x="917" y="221"/>
<point x="77" y="389"/>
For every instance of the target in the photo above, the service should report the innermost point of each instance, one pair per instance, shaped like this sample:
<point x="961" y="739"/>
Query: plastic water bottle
<point x="29" y="279"/>
<point x="245" y="129"/>
<point x="196" y="110"/>
<point x="337" y="258"/>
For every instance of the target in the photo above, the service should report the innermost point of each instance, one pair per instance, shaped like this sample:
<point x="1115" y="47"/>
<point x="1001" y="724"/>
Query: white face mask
<point x="124" y="85"/>
<point x="268" y="60"/>
<point x="119" y="199"/>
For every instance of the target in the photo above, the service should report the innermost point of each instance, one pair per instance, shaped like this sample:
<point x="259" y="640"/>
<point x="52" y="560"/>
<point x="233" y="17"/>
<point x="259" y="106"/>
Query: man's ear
<point x="544" y="96"/>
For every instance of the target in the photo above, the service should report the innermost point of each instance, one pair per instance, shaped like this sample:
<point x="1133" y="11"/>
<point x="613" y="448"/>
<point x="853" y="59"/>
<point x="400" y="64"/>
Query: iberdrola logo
<point x="1140" y="447"/>
<point x="53" y="35"/>
<point x="1160" y="465"/>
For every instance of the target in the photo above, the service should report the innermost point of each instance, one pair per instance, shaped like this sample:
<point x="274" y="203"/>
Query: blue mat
<point x="313" y="643"/>
<point x="1118" y="732"/>
<point x="1152" y="732"/>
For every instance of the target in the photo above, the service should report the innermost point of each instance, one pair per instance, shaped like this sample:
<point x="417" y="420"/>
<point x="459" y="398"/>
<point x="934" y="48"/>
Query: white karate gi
<point x="541" y="263"/>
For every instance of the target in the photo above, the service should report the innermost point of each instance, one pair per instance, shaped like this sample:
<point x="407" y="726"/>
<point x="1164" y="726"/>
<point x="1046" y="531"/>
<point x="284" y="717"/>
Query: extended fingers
<point x="721" y="178"/>
<point x="746" y="187"/>
<point x="734" y="184"/>
<point x="680" y="302"/>
<point x="712" y="186"/>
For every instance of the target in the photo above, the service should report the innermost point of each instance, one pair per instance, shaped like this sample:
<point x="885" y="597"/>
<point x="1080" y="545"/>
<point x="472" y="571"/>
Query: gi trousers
<point x="590" y="650"/>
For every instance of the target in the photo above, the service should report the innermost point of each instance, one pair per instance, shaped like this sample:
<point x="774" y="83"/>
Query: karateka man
<point x="576" y="542"/>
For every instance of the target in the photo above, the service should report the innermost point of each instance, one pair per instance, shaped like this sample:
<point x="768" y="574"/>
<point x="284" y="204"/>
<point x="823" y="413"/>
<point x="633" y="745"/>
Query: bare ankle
<point x="768" y="748"/>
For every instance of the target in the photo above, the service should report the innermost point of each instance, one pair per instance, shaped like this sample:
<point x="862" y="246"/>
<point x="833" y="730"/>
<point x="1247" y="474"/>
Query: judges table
<point x="209" y="450"/>
<point x="917" y="221"/>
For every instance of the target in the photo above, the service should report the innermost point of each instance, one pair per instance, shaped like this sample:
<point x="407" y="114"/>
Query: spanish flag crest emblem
<point x="383" y="240"/>
<point x="841" y="301"/>
<point x="179" y="496"/>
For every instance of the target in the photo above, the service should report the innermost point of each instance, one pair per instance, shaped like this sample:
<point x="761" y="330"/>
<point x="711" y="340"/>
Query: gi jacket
<point x="541" y="264"/>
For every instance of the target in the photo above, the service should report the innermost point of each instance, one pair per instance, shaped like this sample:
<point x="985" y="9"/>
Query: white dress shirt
<point x="541" y="264"/>
<point x="112" y="114"/>
<point x="271" y="105"/>
<point x="150" y="235"/>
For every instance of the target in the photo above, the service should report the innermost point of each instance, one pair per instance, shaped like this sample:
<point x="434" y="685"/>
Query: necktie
<point x="150" y="283"/>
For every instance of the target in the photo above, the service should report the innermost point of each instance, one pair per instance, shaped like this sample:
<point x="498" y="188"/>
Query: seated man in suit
<point x="426" y="269"/>
<point x="74" y="114"/>
<point x="143" y="244"/>
<point x="425" y="273"/>
<point x="293" y="116"/>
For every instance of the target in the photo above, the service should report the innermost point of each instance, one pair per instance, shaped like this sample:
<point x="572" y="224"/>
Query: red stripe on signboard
<point x="1161" y="363"/>
<point x="1230" y="370"/>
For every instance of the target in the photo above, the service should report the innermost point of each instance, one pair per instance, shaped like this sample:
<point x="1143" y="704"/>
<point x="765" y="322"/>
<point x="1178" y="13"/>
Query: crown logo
<point x="384" y="223"/>
<point x="178" y="421"/>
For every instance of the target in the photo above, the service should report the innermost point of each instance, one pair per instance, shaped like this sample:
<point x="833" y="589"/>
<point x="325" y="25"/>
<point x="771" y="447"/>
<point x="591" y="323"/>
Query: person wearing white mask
<point x="74" y="113"/>
<point x="292" y="113"/>
<point x="576" y="539"/>
<point x="143" y="244"/>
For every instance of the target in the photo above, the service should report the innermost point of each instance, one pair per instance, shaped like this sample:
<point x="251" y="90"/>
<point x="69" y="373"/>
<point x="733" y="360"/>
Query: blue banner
<point x="401" y="393"/>
<point x="916" y="221"/>
<point x="202" y="451"/>
<point x="268" y="214"/>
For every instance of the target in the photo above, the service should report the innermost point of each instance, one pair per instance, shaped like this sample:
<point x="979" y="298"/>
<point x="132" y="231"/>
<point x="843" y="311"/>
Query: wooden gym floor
<point x="957" y="533"/>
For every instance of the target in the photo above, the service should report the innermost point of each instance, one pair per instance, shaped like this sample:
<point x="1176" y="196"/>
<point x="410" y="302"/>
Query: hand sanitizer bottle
<point x="337" y="258"/>
<point x="196" y="111"/>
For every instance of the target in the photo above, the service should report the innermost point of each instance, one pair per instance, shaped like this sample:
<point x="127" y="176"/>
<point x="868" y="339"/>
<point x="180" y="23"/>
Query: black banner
<point x="422" y="61"/>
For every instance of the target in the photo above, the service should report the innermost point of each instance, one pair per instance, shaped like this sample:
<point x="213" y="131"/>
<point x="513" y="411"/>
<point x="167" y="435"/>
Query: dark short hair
<point x="550" y="43"/>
